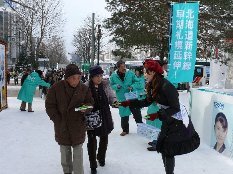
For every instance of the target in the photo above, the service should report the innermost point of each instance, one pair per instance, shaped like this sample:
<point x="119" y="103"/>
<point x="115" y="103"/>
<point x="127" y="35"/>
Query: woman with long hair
<point x="175" y="138"/>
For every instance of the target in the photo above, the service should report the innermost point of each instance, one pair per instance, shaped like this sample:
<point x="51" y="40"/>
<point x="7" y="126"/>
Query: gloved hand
<point x="152" y="117"/>
<point x="125" y="103"/>
<point x="162" y="115"/>
<point x="115" y="104"/>
<point x="118" y="86"/>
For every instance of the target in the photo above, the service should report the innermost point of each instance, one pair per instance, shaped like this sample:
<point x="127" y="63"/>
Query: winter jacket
<point x="140" y="88"/>
<point x="60" y="104"/>
<point x="28" y="89"/>
<point x="153" y="108"/>
<point x="130" y="80"/>
<point x="104" y="97"/>
<point x="174" y="138"/>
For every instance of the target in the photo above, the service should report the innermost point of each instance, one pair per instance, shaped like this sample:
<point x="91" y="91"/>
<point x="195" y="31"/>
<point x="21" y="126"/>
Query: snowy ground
<point x="27" y="146"/>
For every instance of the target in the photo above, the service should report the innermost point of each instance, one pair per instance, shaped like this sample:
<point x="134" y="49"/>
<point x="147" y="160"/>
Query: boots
<point x="102" y="163"/>
<point x="152" y="148"/>
<point x="124" y="133"/>
<point x="93" y="171"/>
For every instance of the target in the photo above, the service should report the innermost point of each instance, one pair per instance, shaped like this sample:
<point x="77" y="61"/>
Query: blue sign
<point x="183" y="43"/>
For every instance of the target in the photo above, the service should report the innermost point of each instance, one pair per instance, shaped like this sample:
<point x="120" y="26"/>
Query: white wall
<point x="201" y="111"/>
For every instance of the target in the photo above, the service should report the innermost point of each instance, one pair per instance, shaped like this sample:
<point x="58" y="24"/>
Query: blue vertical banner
<point x="183" y="45"/>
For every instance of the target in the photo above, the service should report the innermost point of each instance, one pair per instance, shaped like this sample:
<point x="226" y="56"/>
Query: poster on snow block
<point x="183" y="42"/>
<point x="3" y="87"/>
<point x="222" y="128"/>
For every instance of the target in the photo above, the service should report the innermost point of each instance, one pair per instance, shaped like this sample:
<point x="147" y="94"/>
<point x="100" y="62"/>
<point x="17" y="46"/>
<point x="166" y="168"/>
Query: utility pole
<point x="98" y="43"/>
<point x="93" y="40"/>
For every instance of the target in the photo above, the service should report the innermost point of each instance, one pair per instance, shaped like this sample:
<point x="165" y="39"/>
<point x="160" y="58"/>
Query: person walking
<point x="16" y="78"/>
<point x="63" y="103"/>
<point x="124" y="81"/>
<point x="28" y="89"/>
<point x="175" y="137"/>
<point x="8" y="77"/>
<point x="103" y="96"/>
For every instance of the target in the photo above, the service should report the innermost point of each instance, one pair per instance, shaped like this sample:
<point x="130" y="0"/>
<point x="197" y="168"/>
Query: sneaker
<point x="153" y="148"/>
<point x="30" y="111"/>
<point x="21" y="109"/>
<point x="124" y="133"/>
<point x="93" y="171"/>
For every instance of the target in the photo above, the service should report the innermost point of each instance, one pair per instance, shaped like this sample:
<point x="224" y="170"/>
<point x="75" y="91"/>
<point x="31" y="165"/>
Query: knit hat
<point x="95" y="70"/>
<point x="71" y="70"/>
<point x="153" y="65"/>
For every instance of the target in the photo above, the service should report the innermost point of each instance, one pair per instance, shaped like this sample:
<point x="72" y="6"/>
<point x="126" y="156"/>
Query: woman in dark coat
<point x="175" y="138"/>
<point x="103" y="96"/>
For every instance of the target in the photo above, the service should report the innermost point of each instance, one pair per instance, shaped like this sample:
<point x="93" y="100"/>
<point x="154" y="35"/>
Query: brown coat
<point x="60" y="104"/>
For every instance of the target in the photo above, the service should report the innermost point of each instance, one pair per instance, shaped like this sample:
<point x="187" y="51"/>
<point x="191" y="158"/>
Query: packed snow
<point x="27" y="146"/>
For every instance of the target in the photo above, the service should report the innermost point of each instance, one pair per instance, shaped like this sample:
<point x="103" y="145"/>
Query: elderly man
<point x="63" y="100"/>
<point x="124" y="81"/>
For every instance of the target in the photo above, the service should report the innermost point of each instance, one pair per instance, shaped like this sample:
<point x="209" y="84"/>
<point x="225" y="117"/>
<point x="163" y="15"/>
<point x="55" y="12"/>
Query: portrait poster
<point x="3" y="87"/>
<point x="222" y="129"/>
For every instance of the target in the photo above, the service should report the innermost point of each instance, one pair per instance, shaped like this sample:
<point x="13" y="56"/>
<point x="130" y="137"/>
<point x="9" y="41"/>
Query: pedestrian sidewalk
<point x="27" y="146"/>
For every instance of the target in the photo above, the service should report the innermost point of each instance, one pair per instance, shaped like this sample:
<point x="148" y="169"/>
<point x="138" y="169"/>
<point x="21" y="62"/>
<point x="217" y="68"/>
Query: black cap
<point x="95" y="70"/>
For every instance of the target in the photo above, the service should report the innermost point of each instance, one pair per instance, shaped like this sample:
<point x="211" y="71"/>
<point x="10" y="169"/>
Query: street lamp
<point x="98" y="44"/>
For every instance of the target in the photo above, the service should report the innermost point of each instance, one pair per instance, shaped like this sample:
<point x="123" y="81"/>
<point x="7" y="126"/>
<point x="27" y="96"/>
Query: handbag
<point x="191" y="138"/>
<point x="93" y="120"/>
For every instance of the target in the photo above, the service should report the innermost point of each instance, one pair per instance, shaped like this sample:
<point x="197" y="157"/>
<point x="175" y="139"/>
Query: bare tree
<point x="56" y="51"/>
<point x="82" y="39"/>
<point x="82" y="43"/>
<point x="41" y="19"/>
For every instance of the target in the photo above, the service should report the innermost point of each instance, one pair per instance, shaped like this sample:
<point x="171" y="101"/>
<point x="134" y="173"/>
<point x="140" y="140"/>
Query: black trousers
<point x="92" y="147"/>
<point x="169" y="163"/>
<point x="125" y="120"/>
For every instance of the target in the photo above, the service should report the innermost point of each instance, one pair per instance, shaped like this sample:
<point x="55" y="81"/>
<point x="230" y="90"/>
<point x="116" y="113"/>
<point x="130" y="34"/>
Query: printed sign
<point x="183" y="44"/>
<point x="222" y="129"/>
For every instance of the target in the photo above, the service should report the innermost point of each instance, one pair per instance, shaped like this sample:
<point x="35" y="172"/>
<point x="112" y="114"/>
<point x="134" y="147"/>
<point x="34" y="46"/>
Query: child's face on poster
<point x="220" y="132"/>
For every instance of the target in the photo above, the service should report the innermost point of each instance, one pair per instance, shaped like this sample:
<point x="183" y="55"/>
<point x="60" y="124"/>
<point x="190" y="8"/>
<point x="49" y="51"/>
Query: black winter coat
<point x="102" y="98"/>
<point x="174" y="138"/>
